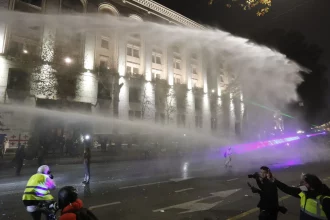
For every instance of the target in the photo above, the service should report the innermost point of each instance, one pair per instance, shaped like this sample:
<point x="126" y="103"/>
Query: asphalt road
<point x="171" y="189"/>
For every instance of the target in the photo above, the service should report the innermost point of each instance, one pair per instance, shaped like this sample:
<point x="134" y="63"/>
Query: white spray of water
<point x="263" y="74"/>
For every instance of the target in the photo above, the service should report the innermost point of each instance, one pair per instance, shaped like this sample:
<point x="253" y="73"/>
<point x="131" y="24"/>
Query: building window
<point x="33" y="2"/>
<point x="214" y="123"/>
<point x="18" y="80"/>
<point x="156" y="73"/>
<point x="132" y="115"/>
<point x="133" y="51"/>
<point x="176" y="50"/>
<point x="198" y="121"/>
<point x="222" y="77"/>
<point x="156" y="58"/>
<point x="160" y="118"/>
<point x="194" y="82"/>
<point x="194" y="70"/>
<point x="181" y="120"/>
<point x="104" y="62"/>
<point x="105" y="44"/>
<point x="132" y="70"/>
<point x="176" y="64"/>
<point x="198" y="104"/>
<point x="134" y="95"/>
<point x="177" y="81"/>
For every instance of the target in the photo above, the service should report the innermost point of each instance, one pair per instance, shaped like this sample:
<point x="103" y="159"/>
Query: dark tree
<point x="313" y="90"/>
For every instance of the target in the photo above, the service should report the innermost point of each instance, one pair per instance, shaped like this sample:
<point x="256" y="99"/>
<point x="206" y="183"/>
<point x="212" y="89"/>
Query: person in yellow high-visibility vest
<point x="314" y="197"/>
<point x="37" y="190"/>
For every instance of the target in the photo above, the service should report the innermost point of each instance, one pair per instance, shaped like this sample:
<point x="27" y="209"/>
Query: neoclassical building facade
<point x="114" y="74"/>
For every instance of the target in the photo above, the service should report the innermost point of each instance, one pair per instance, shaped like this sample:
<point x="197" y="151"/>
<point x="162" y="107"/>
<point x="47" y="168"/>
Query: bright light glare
<point x="25" y="51"/>
<point x="68" y="60"/>
<point x="213" y="90"/>
<point x="300" y="132"/>
<point x="87" y="137"/>
<point x="185" y="166"/>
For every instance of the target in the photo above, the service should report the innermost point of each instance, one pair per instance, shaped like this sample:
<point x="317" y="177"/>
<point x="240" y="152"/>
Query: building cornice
<point x="154" y="6"/>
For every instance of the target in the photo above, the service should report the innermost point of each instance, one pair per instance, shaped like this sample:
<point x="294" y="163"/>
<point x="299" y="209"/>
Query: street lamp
<point x="25" y="51"/>
<point x="68" y="60"/>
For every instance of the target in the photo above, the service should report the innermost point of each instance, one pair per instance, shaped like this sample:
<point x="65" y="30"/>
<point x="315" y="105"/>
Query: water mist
<point x="264" y="75"/>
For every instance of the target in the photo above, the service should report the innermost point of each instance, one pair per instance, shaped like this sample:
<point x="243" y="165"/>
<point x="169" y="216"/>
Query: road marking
<point x="182" y="190"/>
<point x="197" y="205"/>
<point x="103" y="205"/>
<point x="251" y="211"/>
<point x="180" y="179"/>
<point x="147" y="184"/>
<point x="232" y="179"/>
<point x="154" y="183"/>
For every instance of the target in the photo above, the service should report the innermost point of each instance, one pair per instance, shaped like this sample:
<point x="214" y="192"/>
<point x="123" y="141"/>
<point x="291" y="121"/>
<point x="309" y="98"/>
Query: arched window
<point x="135" y="17"/>
<point x="73" y="6"/>
<point x="109" y="9"/>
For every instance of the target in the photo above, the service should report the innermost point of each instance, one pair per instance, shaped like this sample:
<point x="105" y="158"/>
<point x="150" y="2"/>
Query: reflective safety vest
<point x="312" y="207"/>
<point x="36" y="188"/>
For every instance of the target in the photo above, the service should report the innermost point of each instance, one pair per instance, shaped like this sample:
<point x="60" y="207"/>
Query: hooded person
<point x="71" y="206"/>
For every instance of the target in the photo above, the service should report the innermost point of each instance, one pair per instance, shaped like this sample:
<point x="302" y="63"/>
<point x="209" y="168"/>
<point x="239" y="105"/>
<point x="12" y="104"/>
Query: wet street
<point x="175" y="189"/>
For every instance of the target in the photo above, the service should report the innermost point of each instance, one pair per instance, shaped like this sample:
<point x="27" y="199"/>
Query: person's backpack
<point x="83" y="214"/>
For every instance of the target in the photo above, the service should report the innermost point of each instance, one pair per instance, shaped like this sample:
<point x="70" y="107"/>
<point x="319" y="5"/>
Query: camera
<point x="254" y="176"/>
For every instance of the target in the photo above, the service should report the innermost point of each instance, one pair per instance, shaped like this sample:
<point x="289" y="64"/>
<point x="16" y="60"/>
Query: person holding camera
<point x="313" y="194"/>
<point x="268" y="203"/>
<point x="37" y="191"/>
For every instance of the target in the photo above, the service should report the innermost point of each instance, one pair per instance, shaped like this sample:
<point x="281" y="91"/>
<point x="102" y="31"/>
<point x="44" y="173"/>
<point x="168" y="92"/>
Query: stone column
<point x="123" y="97"/>
<point x="86" y="90"/>
<point x="232" y="117"/>
<point x="3" y="78"/>
<point x="206" y="100"/>
<point x="170" y="75"/>
<point x="3" y="63"/>
<point x="190" y="115"/>
<point x="190" y="108"/>
<point x="170" y="106"/>
<point x="143" y="54"/>
<point x="147" y="60"/>
<point x="122" y="43"/>
<point x="148" y="101"/>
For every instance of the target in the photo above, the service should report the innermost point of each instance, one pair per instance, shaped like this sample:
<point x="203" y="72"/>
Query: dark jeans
<point x="37" y="214"/>
<point x="19" y="165"/>
<point x="87" y="172"/>
<point x="264" y="215"/>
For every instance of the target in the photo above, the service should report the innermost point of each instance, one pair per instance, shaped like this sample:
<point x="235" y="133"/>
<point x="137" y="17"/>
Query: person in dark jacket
<point x="70" y="205"/>
<point x="19" y="158"/>
<point x="268" y="203"/>
<point x="41" y="155"/>
<point x="87" y="162"/>
<point x="313" y="194"/>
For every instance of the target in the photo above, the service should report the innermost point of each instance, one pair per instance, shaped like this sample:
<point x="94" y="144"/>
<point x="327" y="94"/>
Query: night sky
<point x="310" y="17"/>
